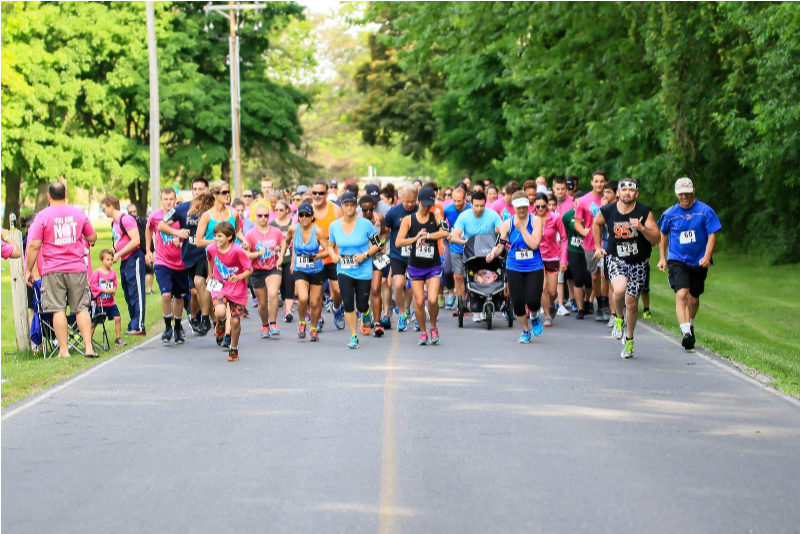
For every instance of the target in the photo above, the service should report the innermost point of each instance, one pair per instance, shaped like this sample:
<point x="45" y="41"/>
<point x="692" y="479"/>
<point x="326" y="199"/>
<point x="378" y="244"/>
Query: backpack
<point x="141" y="225"/>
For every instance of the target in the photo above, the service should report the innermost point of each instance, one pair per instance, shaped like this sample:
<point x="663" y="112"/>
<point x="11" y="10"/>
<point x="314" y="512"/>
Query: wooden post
<point x="155" y="127"/>
<point x="19" y="296"/>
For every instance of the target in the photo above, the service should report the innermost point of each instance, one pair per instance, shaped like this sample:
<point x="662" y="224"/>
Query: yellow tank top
<point x="324" y="224"/>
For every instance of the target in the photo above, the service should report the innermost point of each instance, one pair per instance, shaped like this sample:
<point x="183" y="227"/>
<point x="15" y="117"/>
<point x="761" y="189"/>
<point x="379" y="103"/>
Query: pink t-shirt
<point x="505" y="211"/>
<point x="168" y="248"/>
<point x="567" y="205"/>
<point x="121" y="239"/>
<point x="586" y="210"/>
<point x="60" y="229"/>
<point x="6" y="250"/>
<point x="269" y="244"/>
<point x="226" y="265"/>
<point x="101" y="281"/>
<point x="554" y="248"/>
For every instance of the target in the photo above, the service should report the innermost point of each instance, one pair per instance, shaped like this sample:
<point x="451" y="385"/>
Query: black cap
<point x="374" y="191"/>
<point x="570" y="184"/>
<point x="417" y="180"/>
<point x="349" y="196"/>
<point x="306" y="208"/>
<point x="426" y="197"/>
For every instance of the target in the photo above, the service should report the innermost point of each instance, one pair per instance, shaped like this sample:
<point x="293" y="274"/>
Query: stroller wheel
<point x="460" y="308"/>
<point x="488" y="310"/>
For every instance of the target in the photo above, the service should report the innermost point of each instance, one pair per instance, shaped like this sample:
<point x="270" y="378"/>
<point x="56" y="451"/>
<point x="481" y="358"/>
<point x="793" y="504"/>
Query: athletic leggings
<point x="355" y="293"/>
<point x="579" y="269"/>
<point x="287" y="283"/>
<point x="525" y="290"/>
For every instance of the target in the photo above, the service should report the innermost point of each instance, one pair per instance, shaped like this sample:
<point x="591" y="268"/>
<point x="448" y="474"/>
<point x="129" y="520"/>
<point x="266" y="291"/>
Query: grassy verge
<point x="28" y="373"/>
<point x="749" y="313"/>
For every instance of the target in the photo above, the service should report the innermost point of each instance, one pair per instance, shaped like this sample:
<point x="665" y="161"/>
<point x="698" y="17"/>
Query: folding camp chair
<point x="49" y="342"/>
<point x="99" y="332"/>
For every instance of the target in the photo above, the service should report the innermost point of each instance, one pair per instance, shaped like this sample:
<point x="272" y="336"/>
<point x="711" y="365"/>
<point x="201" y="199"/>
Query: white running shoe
<point x="562" y="311"/>
<point x="611" y="321"/>
<point x="478" y="317"/>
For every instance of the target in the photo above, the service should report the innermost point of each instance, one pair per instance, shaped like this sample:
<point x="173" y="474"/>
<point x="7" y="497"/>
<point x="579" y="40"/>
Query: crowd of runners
<point x="377" y="258"/>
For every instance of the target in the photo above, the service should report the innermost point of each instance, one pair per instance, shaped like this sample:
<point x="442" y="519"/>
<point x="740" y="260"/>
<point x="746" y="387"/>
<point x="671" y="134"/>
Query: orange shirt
<point x="324" y="224"/>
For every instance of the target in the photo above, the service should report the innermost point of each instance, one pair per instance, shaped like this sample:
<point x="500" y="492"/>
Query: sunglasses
<point x="303" y="215"/>
<point x="367" y="210"/>
<point x="224" y="193"/>
<point x="318" y="193"/>
<point x="540" y="206"/>
<point x="262" y="215"/>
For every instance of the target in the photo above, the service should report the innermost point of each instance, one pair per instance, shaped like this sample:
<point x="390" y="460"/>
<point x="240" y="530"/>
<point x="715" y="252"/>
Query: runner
<point x="421" y="231"/>
<point x="582" y="279"/>
<point x="475" y="221"/>
<point x="307" y="242"/>
<point x="502" y="206"/>
<point x="228" y="267"/>
<point x="282" y="222"/>
<point x="632" y="232"/>
<point x="357" y="242"/>
<point x="399" y="256"/>
<point x="172" y="276"/>
<point x="553" y="252"/>
<point x="524" y="267"/>
<point x="690" y="229"/>
<point x="609" y="197"/>
<point x="325" y="212"/>
<point x="264" y="242"/>
<point x="565" y="202"/>
<point x="586" y="210"/>
<point x="456" y="255"/>
<point x="380" y="266"/>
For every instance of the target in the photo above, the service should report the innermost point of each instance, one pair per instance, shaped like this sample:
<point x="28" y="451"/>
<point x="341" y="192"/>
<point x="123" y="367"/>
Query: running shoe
<point x="120" y="342"/>
<point x="553" y="310"/>
<point x="180" y="336"/>
<point x="288" y="317"/>
<point x="688" y="341"/>
<point x="441" y="301"/>
<point x="329" y="306"/>
<point x="264" y="332"/>
<point x="525" y="337"/>
<point x="204" y="327"/>
<point x="136" y="332"/>
<point x="611" y="321"/>
<point x="226" y="341"/>
<point x="478" y="317"/>
<point x="402" y="323"/>
<point x="246" y="313"/>
<point x="219" y="329"/>
<point x="320" y="323"/>
<point x="367" y="318"/>
<point x="273" y="330"/>
<point x="423" y="339"/>
<point x="647" y="314"/>
<point x="573" y="307"/>
<point x="536" y="326"/>
<point x="308" y="317"/>
<point x="450" y="302"/>
<point x="562" y="311"/>
<point x="616" y="333"/>
<point x="365" y="326"/>
<point x="606" y="313"/>
<point x="416" y="326"/>
<point x="590" y="309"/>
<point x="386" y="323"/>
<point x="434" y="336"/>
<point x="548" y="322"/>
<point x="581" y="315"/>
<point x="353" y="342"/>
<point x="377" y="328"/>
<point x="195" y="326"/>
<point x="301" y="329"/>
<point x="166" y="337"/>
<point x="338" y="318"/>
<point x="255" y="303"/>
<point x="314" y="335"/>
<point x="233" y="355"/>
<point x="627" y="348"/>
<point x="600" y="316"/>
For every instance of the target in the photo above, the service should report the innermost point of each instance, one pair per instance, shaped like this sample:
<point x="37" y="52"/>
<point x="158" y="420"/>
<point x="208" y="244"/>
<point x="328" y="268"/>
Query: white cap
<point x="541" y="189"/>
<point x="684" y="185"/>
<point x="333" y="197"/>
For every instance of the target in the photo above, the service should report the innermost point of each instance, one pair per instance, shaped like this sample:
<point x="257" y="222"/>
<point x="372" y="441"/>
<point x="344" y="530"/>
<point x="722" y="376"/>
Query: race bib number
<point x="380" y="261"/>
<point x="688" y="237"/>
<point x="305" y="261"/>
<point x="348" y="262"/>
<point x="425" y="251"/>
<point x="406" y="251"/>
<point x="214" y="285"/>
<point x="576" y="241"/>
<point x="106" y="284"/>
<point x="192" y="240"/>
<point x="627" y="249"/>
<point x="523" y="254"/>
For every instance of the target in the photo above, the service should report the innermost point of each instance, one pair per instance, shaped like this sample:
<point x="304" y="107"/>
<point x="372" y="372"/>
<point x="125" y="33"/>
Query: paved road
<point x="477" y="435"/>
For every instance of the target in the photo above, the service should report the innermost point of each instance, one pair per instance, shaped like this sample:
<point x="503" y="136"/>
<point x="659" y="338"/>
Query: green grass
<point x="28" y="373"/>
<point x="748" y="313"/>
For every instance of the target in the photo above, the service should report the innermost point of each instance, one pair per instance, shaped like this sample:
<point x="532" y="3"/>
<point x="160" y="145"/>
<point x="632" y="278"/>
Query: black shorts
<point x="316" y="279"/>
<point x="329" y="272"/>
<point x="258" y="279"/>
<point x="646" y="288"/>
<point x="198" y="269"/>
<point x="682" y="276"/>
<point x="579" y="270"/>
<point x="149" y="269"/>
<point x="399" y="267"/>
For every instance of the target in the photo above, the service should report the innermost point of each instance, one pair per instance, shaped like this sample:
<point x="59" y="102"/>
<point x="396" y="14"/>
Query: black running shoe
<point x="166" y="337"/>
<point x="688" y="341"/>
<point x="180" y="336"/>
<point x="580" y="315"/>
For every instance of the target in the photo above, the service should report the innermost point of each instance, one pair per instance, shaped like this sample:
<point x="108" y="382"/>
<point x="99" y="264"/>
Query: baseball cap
<point x="305" y="208"/>
<point x="349" y="197"/>
<point x="570" y="184"/>
<point x="417" y="181"/>
<point x="684" y="185"/>
<point x="333" y="197"/>
<point x="247" y="193"/>
<point x="541" y="189"/>
<point x="374" y="191"/>
<point x="301" y="189"/>
<point x="333" y="182"/>
<point x="426" y="197"/>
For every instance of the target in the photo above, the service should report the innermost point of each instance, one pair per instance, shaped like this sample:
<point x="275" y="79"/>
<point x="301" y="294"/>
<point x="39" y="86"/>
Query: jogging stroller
<point x="485" y="297"/>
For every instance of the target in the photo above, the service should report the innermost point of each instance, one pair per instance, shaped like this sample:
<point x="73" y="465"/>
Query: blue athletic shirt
<point x="471" y="226"/>
<point x="306" y="249"/>
<point x="451" y="214"/>
<point x="190" y="253"/>
<point x="392" y="221"/>
<point x="350" y="245"/>
<point x="516" y="242"/>
<point x="688" y="231"/>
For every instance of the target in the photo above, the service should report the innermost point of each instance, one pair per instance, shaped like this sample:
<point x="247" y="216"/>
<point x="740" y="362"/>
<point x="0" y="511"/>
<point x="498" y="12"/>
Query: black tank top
<point x="428" y="254"/>
<point x="624" y="242"/>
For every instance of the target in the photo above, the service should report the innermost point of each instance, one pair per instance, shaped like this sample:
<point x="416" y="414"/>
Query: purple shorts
<point x="424" y="273"/>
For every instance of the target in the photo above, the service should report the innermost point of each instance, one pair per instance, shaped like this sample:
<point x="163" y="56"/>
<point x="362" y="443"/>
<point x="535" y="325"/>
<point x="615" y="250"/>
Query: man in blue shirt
<point x="399" y="258"/>
<point x="690" y="229"/>
<point x="451" y="213"/>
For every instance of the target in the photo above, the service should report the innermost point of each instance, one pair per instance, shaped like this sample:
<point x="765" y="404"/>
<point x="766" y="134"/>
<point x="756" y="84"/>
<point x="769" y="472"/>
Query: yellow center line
<point x="388" y="462"/>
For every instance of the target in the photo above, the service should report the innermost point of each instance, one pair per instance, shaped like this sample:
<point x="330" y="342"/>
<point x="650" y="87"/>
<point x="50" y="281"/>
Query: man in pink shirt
<point x="585" y="212"/>
<point x="58" y="231"/>
<point x="125" y="233"/>
<point x="564" y="200"/>
<point x="502" y="206"/>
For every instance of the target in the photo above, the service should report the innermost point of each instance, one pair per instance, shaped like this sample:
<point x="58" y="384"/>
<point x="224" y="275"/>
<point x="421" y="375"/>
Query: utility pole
<point x="155" y="128"/>
<point x="235" y="16"/>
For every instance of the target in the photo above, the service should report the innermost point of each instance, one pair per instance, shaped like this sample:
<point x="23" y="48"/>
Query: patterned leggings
<point x="636" y="273"/>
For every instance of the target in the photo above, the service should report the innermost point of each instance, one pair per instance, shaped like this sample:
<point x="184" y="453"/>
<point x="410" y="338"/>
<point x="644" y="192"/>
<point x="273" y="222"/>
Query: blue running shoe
<point x="338" y="318"/>
<point x="525" y="337"/>
<point x="402" y="323"/>
<point x="574" y="307"/>
<point x="536" y="325"/>
<point x="320" y="324"/>
<point x="416" y="326"/>
<point x="226" y="341"/>
<point x="353" y="342"/>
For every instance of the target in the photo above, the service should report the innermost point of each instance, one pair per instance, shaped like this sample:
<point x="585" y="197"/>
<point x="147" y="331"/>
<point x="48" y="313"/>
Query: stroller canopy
<point x="478" y="246"/>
